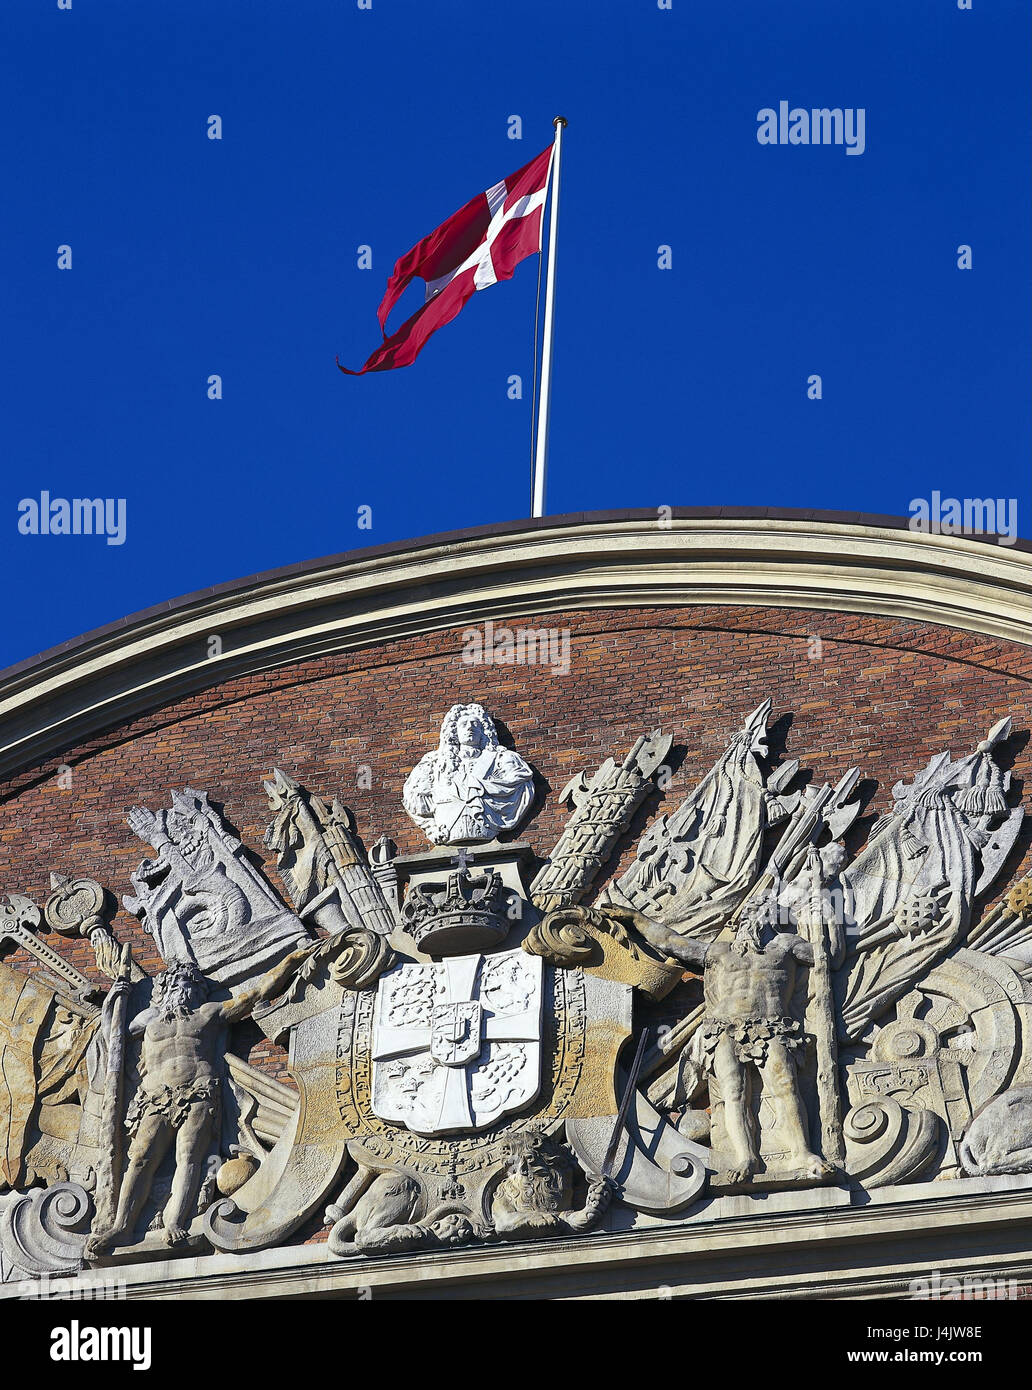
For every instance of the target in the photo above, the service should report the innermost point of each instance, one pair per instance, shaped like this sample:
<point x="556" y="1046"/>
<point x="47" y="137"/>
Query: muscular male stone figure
<point x="748" y="1032"/>
<point x="178" y="1097"/>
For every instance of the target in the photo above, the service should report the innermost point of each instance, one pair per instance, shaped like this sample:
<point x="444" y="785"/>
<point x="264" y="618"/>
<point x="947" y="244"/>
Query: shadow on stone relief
<point x="485" y="1047"/>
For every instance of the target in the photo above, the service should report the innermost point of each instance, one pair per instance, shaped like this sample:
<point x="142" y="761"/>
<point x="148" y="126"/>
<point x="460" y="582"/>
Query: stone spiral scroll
<point x="887" y="1144"/>
<point x="44" y="1231"/>
<point x="562" y="938"/>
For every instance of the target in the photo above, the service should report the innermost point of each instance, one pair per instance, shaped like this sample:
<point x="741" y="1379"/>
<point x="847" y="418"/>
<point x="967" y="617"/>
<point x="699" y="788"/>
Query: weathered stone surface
<point x="202" y="899"/>
<point x="43" y="1231"/>
<point x="597" y="942"/>
<point x="476" y="1097"/>
<point x="331" y="884"/>
<point x="603" y="808"/>
<point x="179" y="1100"/>
<point x="655" y="1169"/>
<point x="298" y="1174"/>
<point x="911" y="889"/>
<point x="999" y="1137"/>
<point x="19" y="919"/>
<point x="45" y="1037"/>
<point x="693" y="868"/>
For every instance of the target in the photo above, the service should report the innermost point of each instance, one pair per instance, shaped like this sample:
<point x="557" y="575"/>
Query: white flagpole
<point x="545" y="392"/>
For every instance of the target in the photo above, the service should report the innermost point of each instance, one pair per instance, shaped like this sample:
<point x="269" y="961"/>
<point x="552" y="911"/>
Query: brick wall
<point x="883" y="695"/>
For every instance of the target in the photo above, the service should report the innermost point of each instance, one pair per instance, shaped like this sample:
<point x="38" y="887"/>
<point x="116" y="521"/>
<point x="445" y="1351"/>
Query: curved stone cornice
<point x="824" y="561"/>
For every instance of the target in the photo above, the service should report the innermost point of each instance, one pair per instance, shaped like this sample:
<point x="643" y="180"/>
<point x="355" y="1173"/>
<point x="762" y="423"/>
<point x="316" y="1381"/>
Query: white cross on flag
<point x="479" y="245"/>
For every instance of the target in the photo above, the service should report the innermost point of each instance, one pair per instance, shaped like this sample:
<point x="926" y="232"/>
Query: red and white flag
<point x="479" y="245"/>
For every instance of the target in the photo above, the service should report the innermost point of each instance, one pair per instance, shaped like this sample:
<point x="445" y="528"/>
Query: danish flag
<point x="479" y="245"/>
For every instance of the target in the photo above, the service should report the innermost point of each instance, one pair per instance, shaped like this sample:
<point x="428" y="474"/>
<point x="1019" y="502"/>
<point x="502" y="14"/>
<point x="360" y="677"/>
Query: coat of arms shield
<point x="457" y="1044"/>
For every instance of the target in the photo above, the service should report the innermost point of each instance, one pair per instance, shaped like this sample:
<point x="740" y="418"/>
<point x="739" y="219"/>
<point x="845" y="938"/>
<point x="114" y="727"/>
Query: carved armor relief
<point x="489" y="1051"/>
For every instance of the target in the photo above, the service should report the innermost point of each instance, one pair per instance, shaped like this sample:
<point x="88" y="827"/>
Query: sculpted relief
<point x="177" y="1104"/>
<point x="496" y="1049"/>
<point x="470" y="788"/>
<point x="457" y="1045"/>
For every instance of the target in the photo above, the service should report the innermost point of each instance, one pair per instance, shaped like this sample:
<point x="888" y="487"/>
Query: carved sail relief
<point x="911" y="890"/>
<point x="695" y="867"/>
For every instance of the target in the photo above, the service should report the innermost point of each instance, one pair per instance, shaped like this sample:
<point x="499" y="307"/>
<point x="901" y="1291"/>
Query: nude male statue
<point x="178" y="1099"/>
<point x="748" y="1035"/>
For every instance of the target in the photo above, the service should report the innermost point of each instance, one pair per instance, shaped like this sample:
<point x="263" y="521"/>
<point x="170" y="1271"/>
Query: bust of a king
<point x="469" y="789"/>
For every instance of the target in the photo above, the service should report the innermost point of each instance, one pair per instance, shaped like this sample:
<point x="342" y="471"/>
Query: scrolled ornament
<point x="44" y="1231"/>
<point x="353" y="958"/>
<point x="563" y="938"/>
<point x="76" y="906"/>
<point x="887" y="1144"/>
<point x="364" y="956"/>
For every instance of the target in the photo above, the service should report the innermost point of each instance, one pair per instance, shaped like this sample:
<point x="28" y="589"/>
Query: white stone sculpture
<point x="177" y="1103"/>
<point x="202" y="900"/>
<point x="999" y="1137"/>
<point x="602" y="810"/>
<point x="469" y="789"/>
<point x="457" y="1045"/>
<point x="750" y="1044"/>
<point x="910" y="891"/>
<point x="321" y="861"/>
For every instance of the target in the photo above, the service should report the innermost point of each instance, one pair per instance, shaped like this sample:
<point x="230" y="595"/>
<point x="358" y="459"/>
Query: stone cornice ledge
<point x="819" y="561"/>
<point x="977" y="1227"/>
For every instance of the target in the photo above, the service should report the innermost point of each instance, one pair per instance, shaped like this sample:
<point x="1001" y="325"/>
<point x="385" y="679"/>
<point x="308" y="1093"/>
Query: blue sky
<point x="344" y="127"/>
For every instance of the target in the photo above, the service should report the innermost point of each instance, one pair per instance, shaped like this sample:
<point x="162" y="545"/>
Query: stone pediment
<point x="753" y="959"/>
